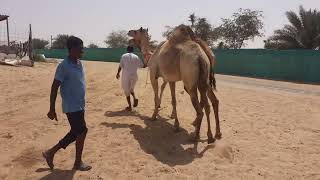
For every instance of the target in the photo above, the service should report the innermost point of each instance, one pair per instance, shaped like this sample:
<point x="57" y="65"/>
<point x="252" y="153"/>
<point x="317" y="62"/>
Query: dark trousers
<point x="78" y="127"/>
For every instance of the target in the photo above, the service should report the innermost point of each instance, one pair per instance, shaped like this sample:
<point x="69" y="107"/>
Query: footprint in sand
<point x="8" y="136"/>
<point x="223" y="150"/>
<point x="118" y="94"/>
<point x="28" y="157"/>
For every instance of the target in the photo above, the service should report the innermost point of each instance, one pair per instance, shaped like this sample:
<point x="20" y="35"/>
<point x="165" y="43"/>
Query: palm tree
<point x="192" y="19"/>
<point x="302" y="33"/>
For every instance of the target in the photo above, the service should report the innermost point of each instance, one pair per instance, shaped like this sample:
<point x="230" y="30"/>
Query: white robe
<point x="129" y="64"/>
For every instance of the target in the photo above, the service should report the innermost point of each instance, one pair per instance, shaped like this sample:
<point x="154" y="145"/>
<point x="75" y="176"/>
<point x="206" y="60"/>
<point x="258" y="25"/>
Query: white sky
<point x="93" y="20"/>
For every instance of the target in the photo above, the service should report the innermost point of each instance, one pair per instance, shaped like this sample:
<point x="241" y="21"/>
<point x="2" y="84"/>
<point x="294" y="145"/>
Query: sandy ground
<point x="271" y="130"/>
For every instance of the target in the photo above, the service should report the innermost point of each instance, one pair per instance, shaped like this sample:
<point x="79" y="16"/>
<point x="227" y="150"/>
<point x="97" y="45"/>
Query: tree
<point x="168" y="31"/>
<point x="60" y="41"/>
<point x="303" y="32"/>
<point x="221" y="45"/>
<point x="201" y="27"/>
<point x="92" y="45"/>
<point x="117" y="39"/>
<point x="242" y="26"/>
<point x="39" y="43"/>
<point x="153" y="43"/>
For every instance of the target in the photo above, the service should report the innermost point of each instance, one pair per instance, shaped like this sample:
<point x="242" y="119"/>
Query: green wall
<point x="93" y="54"/>
<point x="289" y="65"/>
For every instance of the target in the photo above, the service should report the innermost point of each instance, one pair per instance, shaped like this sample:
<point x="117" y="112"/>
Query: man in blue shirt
<point x="70" y="78"/>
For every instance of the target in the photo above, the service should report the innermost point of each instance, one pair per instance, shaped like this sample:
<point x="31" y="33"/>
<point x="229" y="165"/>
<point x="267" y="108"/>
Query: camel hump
<point x="184" y="32"/>
<point x="205" y="47"/>
<point x="207" y="50"/>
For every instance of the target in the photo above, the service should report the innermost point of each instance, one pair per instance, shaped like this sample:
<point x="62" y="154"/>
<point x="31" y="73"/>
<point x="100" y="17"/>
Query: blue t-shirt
<point x="73" y="86"/>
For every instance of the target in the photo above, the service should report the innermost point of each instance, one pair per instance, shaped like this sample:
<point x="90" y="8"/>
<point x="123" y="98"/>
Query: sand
<point x="268" y="132"/>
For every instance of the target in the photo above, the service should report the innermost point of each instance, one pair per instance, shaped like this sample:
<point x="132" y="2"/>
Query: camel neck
<point x="145" y="47"/>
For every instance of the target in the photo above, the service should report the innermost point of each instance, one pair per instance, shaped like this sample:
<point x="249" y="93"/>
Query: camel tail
<point x="210" y="55"/>
<point x="212" y="59"/>
<point x="203" y="73"/>
<point x="213" y="81"/>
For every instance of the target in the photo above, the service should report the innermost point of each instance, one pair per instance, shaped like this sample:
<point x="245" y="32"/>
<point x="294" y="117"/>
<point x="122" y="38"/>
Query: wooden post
<point x="30" y="44"/>
<point x="20" y="50"/>
<point x="8" y="32"/>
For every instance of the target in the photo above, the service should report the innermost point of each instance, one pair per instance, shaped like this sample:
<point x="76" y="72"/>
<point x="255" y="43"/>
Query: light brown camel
<point x="181" y="58"/>
<point x="136" y="42"/>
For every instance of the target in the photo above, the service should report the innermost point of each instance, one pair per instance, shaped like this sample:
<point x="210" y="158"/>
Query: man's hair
<point x="130" y="49"/>
<point x="73" y="42"/>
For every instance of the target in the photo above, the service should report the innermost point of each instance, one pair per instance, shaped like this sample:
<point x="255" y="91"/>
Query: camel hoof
<point x="195" y="123"/>
<point x="153" y="118"/>
<point x="218" y="136"/>
<point x="194" y="138"/>
<point x="176" y="130"/>
<point x="211" y="140"/>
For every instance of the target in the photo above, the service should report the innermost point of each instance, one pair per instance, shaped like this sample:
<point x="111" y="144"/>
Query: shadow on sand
<point x="57" y="174"/>
<point x="158" y="138"/>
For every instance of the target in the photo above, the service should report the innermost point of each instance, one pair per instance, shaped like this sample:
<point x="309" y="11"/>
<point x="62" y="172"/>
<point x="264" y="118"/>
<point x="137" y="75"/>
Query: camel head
<point x="138" y="34"/>
<point x="140" y="39"/>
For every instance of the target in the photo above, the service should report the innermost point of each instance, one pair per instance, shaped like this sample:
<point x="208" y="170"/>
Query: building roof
<point x="3" y="17"/>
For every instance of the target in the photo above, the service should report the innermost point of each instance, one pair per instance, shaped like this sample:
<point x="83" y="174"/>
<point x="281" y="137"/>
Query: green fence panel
<point x="289" y="65"/>
<point x="91" y="54"/>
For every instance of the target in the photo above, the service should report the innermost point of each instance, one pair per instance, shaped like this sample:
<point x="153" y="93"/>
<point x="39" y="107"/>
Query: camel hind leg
<point x="174" y="106"/>
<point x="205" y="104"/>
<point x="195" y="102"/>
<point x="215" y="104"/>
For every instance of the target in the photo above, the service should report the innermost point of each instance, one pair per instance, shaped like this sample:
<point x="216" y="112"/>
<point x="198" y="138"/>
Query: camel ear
<point x="147" y="29"/>
<point x="141" y="29"/>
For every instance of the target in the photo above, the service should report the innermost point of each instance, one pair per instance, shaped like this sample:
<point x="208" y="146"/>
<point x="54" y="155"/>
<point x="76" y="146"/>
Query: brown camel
<point x="135" y="42"/>
<point x="180" y="58"/>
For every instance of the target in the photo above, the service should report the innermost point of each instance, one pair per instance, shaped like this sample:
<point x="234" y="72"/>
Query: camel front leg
<point x="154" y="83"/>
<point x="174" y="106"/>
<point x="163" y="86"/>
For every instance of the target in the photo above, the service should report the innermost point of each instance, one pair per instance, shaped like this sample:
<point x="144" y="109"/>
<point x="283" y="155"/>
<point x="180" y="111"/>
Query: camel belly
<point x="169" y="64"/>
<point x="171" y="77"/>
<point x="170" y="70"/>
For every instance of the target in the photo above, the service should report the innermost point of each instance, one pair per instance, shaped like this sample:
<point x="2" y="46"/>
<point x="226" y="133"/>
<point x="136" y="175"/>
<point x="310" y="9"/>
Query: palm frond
<point x="303" y="31"/>
<point x="294" y="20"/>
